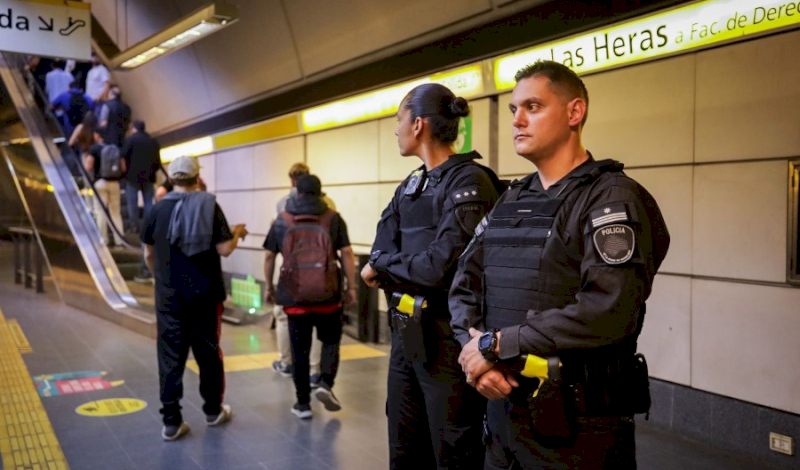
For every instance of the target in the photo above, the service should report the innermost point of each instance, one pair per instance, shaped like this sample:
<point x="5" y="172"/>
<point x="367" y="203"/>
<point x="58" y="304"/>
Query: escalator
<point x="57" y="197"/>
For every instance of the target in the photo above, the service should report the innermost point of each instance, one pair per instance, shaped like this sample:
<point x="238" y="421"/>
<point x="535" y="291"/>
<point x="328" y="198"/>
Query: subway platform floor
<point x="262" y="435"/>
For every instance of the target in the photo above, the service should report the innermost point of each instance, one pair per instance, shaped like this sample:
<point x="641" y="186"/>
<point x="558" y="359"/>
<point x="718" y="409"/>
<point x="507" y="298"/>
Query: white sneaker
<point x="171" y="432"/>
<point x="224" y="416"/>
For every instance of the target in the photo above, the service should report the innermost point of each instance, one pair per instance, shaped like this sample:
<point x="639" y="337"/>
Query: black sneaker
<point x="224" y="416"/>
<point x="302" y="411"/>
<point x="314" y="381"/>
<point x="283" y="369"/>
<point x="326" y="396"/>
<point x="172" y="432"/>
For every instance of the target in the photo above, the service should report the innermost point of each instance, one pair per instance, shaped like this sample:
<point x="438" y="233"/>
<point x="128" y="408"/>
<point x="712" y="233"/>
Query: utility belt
<point x="557" y="395"/>
<point x="414" y="320"/>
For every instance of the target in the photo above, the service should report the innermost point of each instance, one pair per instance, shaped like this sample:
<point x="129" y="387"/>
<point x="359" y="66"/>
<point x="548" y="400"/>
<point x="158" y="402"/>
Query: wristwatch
<point x="487" y="343"/>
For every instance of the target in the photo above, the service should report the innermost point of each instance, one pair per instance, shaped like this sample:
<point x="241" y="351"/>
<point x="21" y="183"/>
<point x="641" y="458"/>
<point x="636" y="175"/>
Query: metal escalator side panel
<point x="82" y="266"/>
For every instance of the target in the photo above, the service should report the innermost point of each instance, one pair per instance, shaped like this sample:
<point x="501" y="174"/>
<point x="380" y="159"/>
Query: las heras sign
<point x="46" y="27"/>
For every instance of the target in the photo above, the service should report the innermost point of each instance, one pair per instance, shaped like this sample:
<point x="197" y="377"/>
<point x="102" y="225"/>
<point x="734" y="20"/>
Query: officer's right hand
<point x="369" y="275"/>
<point x="496" y="384"/>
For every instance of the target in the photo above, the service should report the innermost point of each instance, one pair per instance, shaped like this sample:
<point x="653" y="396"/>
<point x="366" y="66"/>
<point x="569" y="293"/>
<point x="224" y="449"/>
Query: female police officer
<point x="434" y="416"/>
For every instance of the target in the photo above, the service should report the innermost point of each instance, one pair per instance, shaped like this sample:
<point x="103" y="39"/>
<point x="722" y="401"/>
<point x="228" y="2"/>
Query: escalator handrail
<point x="67" y="152"/>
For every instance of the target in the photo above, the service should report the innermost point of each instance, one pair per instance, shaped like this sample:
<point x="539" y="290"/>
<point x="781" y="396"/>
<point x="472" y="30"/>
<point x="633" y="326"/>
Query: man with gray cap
<point x="184" y="236"/>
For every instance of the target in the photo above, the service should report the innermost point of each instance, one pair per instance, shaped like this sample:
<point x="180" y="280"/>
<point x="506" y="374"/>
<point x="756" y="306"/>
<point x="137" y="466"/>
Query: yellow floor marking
<point x="348" y="352"/>
<point x="27" y="439"/>
<point x="19" y="336"/>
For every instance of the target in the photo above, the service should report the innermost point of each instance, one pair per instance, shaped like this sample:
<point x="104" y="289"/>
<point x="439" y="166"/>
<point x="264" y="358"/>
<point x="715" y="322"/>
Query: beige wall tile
<point x="480" y="128"/>
<point x="273" y="160"/>
<point x="740" y="222"/>
<point x="748" y="101"/>
<point x="208" y="171"/>
<point x="237" y="207"/>
<point x="744" y="342"/>
<point x="672" y="189"/>
<point x="264" y="213"/>
<point x="666" y="336"/>
<point x="392" y="165"/>
<point x="235" y="169"/>
<point x="345" y="155"/>
<point x="642" y="115"/>
<point x="358" y="205"/>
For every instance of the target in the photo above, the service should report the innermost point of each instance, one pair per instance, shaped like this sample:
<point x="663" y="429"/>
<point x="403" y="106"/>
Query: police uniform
<point x="434" y="416"/>
<point x="565" y="273"/>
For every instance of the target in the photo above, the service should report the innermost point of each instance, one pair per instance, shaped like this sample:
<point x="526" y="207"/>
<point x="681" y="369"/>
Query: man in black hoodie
<point x="303" y="217"/>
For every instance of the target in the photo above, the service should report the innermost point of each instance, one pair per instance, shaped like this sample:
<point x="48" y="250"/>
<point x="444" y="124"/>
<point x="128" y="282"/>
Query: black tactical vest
<point x="528" y="267"/>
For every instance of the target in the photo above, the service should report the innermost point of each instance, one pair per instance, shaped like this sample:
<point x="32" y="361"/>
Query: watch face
<point x="485" y="341"/>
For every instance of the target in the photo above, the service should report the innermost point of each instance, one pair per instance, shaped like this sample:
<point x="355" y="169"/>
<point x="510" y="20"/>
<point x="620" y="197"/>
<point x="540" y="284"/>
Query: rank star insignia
<point x="466" y="193"/>
<point x="458" y="196"/>
<point x="474" y="193"/>
<point x="607" y="210"/>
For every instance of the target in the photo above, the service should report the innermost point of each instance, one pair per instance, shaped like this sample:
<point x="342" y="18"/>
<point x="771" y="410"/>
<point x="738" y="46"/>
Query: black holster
<point x="552" y="410"/>
<point x="410" y="329"/>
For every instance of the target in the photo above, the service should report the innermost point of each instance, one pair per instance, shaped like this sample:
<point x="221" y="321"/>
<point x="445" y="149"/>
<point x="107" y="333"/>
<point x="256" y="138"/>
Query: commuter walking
<point x="284" y="363"/>
<point x="184" y="236"/>
<point x="105" y="166"/>
<point x="57" y="80"/>
<point x="434" y="416"/>
<point x="97" y="79"/>
<point x="72" y="105"/>
<point x="115" y="117"/>
<point x="143" y="157"/>
<point x="556" y="278"/>
<point x="309" y="234"/>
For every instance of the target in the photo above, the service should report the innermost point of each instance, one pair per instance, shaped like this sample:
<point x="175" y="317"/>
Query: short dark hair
<point x="309" y="185"/>
<point x="138" y="124"/>
<point x="185" y="182"/>
<point x="563" y="78"/>
<point x="74" y="84"/>
<point x="440" y="107"/>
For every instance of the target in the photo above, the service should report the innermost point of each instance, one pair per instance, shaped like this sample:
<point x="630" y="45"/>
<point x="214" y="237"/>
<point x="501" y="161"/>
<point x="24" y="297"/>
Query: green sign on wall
<point x="463" y="142"/>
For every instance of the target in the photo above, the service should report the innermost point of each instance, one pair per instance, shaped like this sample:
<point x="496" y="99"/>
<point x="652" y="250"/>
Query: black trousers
<point x="601" y="443"/>
<point x="435" y="418"/>
<point x="196" y="326"/>
<point x="329" y="332"/>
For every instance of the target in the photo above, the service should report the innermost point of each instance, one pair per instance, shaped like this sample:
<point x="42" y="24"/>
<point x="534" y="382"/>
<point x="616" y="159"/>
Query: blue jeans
<point x="132" y="196"/>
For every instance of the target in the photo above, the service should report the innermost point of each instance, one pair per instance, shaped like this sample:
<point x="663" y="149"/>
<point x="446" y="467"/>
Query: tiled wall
<point x="708" y="134"/>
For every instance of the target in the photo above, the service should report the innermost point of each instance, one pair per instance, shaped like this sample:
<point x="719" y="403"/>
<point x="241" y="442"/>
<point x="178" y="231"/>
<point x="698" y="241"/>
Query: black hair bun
<point x="459" y="107"/>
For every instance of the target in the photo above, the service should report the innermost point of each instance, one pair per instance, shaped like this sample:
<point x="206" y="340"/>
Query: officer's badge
<point x="416" y="183"/>
<point x="614" y="243"/>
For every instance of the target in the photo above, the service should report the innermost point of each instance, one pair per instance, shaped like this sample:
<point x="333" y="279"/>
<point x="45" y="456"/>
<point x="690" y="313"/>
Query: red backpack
<point x="309" y="274"/>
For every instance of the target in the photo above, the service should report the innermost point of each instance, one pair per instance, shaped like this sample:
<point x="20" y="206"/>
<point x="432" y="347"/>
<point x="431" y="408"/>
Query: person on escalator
<point x="105" y="167"/>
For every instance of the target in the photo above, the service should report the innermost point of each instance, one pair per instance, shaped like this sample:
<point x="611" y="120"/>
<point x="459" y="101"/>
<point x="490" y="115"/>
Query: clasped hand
<point x="494" y="381"/>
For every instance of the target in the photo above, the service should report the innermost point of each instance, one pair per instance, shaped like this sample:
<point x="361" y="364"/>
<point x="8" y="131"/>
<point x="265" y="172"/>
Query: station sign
<point x="680" y="30"/>
<point x="46" y="28"/>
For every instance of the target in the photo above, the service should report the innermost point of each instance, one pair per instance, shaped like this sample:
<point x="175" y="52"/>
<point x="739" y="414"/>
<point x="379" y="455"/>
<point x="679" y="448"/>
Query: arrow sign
<point x="46" y="28"/>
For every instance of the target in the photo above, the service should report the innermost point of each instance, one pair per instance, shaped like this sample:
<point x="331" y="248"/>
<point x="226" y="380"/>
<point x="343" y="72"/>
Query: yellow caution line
<point x="19" y="336"/>
<point x="27" y="439"/>
<point x="348" y="352"/>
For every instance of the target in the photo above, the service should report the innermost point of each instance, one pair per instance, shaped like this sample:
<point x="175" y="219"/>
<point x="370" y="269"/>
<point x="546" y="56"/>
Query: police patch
<point x="466" y="194"/>
<point x="614" y="243"/>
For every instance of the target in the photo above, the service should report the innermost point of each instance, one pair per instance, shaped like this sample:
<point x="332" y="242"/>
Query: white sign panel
<point x="46" y="27"/>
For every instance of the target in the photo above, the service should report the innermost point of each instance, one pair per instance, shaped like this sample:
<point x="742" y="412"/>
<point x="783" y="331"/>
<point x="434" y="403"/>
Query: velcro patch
<point x="466" y="194"/>
<point x="612" y="213"/>
<point x="482" y="225"/>
<point x="615" y="243"/>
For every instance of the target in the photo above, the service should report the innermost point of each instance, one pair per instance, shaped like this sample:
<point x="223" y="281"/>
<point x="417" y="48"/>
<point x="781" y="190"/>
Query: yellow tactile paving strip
<point x="347" y="352"/>
<point x="19" y="336"/>
<point x="27" y="440"/>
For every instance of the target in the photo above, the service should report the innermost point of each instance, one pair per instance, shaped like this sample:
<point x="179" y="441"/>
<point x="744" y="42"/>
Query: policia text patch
<point x="615" y="243"/>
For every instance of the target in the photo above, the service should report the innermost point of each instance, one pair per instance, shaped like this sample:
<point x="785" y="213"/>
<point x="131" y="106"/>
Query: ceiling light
<point x="195" y="26"/>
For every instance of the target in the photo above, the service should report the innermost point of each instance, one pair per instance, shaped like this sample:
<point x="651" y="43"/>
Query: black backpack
<point x="110" y="166"/>
<point x="77" y="108"/>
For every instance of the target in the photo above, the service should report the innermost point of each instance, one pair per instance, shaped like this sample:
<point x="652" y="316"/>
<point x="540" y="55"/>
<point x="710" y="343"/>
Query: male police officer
<point x="557" y="277"/>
